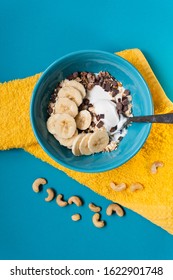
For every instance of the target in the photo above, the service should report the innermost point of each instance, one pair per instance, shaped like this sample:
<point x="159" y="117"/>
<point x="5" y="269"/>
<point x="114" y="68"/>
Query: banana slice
<point x="76" y="143"/>
<point x="83" y="120"/>
<point x="67" y="142"/>
<point x="51" y="123"/>
<point x="83" y="146"/>
<point x="65" y="126"/>
<point x="75" y="84"/>
<point x="98" y="141"/>
<point x="65" y="105"/>
<point x="71" y="93"/>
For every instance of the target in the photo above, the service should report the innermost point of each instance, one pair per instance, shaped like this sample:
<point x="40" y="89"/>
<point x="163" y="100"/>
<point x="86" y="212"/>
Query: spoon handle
<point x="163" y="118"/>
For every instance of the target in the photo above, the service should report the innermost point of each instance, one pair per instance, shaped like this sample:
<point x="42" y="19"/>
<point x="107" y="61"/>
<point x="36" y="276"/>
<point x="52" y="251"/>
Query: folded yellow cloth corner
<point x="155" y="201"/>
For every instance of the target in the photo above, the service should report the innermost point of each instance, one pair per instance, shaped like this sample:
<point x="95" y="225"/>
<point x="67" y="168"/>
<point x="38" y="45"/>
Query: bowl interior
<point x="91" y="61"/>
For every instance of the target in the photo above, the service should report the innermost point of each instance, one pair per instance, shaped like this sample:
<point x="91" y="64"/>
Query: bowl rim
<point x="41" y="79"/>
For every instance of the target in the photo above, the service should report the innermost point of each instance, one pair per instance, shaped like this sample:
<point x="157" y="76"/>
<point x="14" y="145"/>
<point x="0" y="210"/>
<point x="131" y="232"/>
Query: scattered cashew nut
<point x="51" y="195"/>
<point x="114" y="208"/>
<point x="96" y="221"/>
<point x="36" y="184"/>
<point x="94" y="208"/>
<point x="119" y="187"/>
<point x="76" y="217"/>
<point x="155" y="165"/>
<point x="60" y="202"/>
<point x="135" y="186"/>
<point x="76" y="200"/>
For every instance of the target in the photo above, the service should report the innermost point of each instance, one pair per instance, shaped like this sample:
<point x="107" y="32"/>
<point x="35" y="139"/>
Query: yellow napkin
<point x="155" y="201"/>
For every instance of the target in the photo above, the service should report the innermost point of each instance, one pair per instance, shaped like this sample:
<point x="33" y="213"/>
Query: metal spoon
<point x="162" y="118"/>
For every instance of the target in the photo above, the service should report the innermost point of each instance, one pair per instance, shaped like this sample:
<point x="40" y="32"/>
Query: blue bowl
<point x="91" y="61"/>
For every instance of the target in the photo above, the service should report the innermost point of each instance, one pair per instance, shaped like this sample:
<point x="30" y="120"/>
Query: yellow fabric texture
<point x="155" y="201"/>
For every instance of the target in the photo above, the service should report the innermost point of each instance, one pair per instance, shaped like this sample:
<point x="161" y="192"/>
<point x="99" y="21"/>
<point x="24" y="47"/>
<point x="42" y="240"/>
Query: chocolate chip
<point x="126" y="92"/>
<point x="86" y="101"/>
<point x="102" y="116"/>
<point x="75" y="74"/>
<point x="70" y="77"/>
<point x="53" y="98"/>
<point x="103" y="73"/>
<point x="100" y="124"/>
<point x="114" y="83"/>
<point x="125" y="101"/>
<point x="107" y="74"/>
<point x="93" y="124"/>
<point x="50" y="110"/>
<point x="97" y="117"/>
<point x="120" y="138"/>
<point x="119" y="99"/>
<point x="83" y="74"/>
<point x="103" y="85"/>
<point x="100" y="83"/>
<point x="107" y="87"/>
<point x="119" y="106"/>
<point x="91" y="77"/>
<point x="90" y="105"/>
<point x="114" y="92"/>
<point x="90" y="86"/>
<point x="81" y="107"/>
<point x="113" y="128"/>
<point x="113" y="101"/>
<point x="125" y="108"/>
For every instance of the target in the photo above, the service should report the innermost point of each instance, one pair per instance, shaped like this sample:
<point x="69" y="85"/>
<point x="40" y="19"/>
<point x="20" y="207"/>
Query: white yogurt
<point x="97" y="93"/>
<point x="102" y="103"/>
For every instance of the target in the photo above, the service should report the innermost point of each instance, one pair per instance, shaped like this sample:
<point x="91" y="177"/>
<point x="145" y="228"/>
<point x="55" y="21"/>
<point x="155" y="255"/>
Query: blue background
<point x="32" y="35"/>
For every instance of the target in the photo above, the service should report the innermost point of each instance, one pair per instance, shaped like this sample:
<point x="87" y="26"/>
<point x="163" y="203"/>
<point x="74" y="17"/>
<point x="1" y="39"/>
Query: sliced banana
<point x="75" y="84"/>
<point x="67" y="142"/>
<point x="76" y="143"/>
<point x="98" y="141"/>
<point x="65" y="126"/>
<point x="71" y="93"/>
<point x="65" y="105"/>
<point x="83" y="119"/>
<point x="83" y="146"/>
<point x="51" y="123"/>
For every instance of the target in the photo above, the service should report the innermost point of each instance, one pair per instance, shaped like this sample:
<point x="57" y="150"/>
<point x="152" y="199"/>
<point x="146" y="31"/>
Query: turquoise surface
<point x="91" y="61"/>
<point x="33" y="35"/>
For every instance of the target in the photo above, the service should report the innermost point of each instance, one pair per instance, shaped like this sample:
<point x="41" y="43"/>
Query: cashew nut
<point x="60" y="202"/>
<point x="51" y="195"/>
<point x="37" y="183"/>
<point x="96" y="221"/>
<point x="135" y="186"/>
<point x="94" y="208"/>
<point x="76" y="200"/>
<point x="76" y="217"/>
<point x="155" y="165"/>
<point x="114" y="208"/>
<point x="119" y="187"/>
